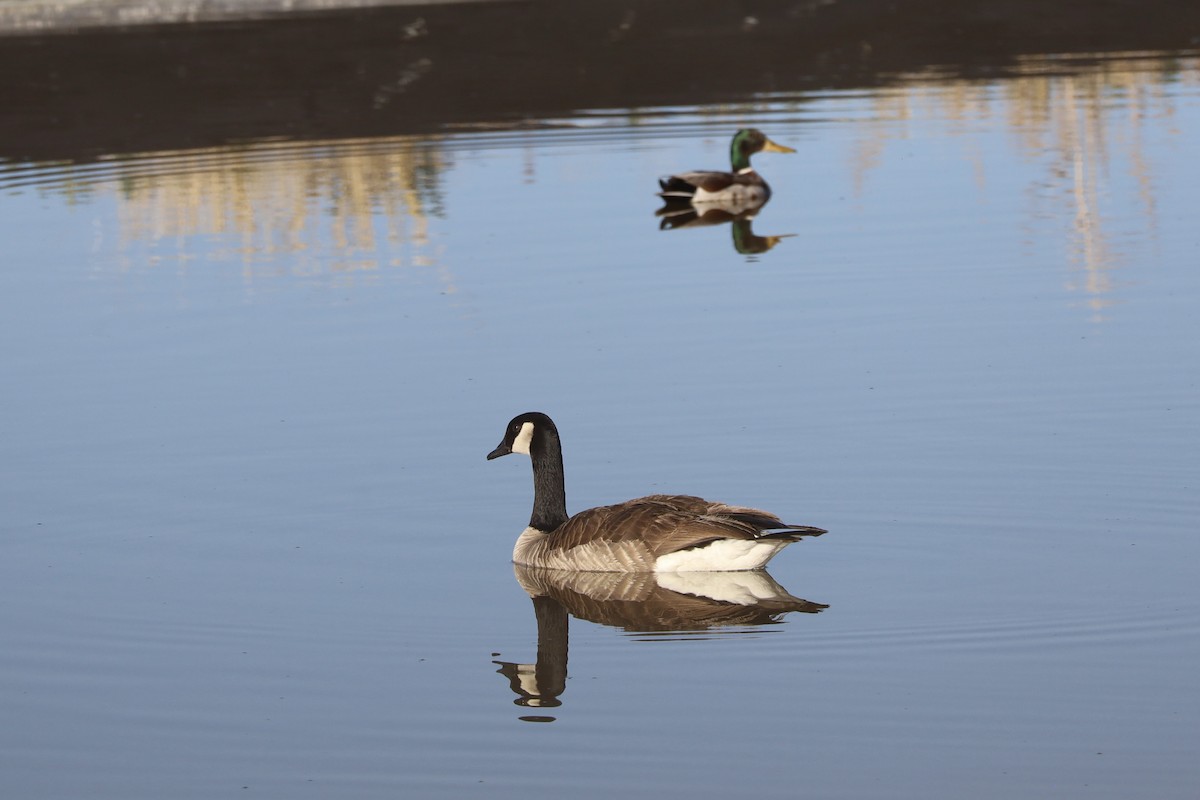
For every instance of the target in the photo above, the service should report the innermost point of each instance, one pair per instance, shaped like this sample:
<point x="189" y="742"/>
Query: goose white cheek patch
<point x="521" y="443"/>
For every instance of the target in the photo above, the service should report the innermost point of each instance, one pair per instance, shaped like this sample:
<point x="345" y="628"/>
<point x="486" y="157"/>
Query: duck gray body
<point x="658" y="533"/>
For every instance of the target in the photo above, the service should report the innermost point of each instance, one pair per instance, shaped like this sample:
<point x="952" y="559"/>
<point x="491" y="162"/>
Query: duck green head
<point x="749" y="141"/>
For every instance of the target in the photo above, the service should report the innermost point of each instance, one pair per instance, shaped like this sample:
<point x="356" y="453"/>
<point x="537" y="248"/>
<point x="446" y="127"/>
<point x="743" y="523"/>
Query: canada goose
<point x="741" y="189"/>
<point x="658" y="533"/>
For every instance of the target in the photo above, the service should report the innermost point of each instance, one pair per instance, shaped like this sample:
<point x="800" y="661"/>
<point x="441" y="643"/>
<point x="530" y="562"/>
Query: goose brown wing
<point x="664" y="524"/>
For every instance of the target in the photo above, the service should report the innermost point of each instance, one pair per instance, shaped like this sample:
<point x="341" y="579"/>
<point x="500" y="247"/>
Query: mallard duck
<point x="741" y="189"/>
<point x="658" y="533"/>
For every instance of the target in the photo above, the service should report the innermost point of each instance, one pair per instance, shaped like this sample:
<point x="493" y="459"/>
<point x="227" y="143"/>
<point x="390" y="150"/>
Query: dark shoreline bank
<point x="411" y="69"/>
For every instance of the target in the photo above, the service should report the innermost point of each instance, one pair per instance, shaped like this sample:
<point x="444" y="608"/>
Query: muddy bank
<point x="21" y="17"/>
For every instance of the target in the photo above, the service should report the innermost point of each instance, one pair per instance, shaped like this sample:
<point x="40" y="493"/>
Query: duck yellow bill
<point x="771" y="147"/>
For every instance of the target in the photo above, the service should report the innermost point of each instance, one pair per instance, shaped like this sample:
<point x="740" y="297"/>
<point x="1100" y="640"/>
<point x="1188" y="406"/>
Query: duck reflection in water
<point x="709" y="197"/>
<point x="638" y="602"/>
<point x="745" y="240"/>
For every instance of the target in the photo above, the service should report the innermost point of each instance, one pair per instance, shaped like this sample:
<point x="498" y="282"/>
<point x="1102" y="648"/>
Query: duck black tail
<point x="675" y="188"/>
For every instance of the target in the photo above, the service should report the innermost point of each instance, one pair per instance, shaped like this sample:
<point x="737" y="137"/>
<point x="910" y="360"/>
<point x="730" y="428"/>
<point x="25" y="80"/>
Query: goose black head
<point x="524" y="434"/>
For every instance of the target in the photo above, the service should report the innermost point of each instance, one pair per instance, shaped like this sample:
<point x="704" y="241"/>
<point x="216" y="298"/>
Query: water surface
<point x="251" y="544"/>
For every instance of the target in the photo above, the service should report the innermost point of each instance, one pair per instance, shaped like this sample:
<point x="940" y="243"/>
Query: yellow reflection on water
<point x="351" y="207"/>
<point x="1089" y="123"/>
<point x="1084" y="120"/>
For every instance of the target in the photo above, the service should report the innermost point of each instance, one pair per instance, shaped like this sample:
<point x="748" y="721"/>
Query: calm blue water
<point x="251" y="544"/>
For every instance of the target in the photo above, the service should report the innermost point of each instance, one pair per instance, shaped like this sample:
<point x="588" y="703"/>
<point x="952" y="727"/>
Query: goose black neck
<point x="549" y="485"/>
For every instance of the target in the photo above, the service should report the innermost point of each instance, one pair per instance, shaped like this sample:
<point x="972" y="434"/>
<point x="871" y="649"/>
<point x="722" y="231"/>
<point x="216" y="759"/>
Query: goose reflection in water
<point x="745" y="241"/>
<point x="640" y="602"/>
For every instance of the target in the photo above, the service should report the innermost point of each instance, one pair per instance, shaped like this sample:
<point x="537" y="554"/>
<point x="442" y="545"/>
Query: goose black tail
<point x="794" y="533"/>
